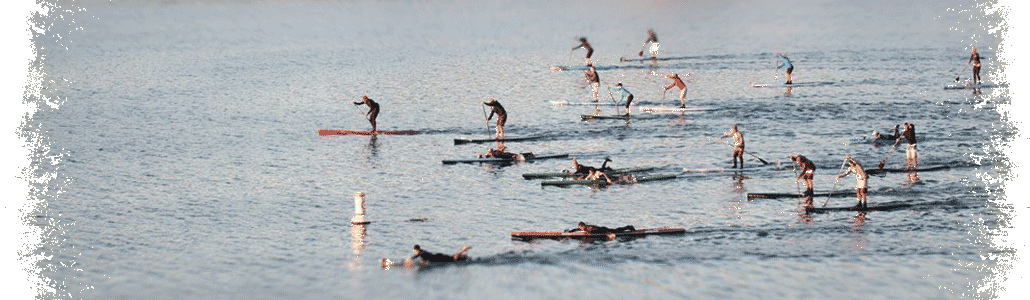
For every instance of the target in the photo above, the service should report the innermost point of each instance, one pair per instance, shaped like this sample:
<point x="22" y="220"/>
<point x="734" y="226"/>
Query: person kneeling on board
<point x="581" y="170"/>
<point x="594" y="229"/>
<point x="623" y="92"/>
<point x="502" y="116"/>
<point x="427" y="257"/>
<point x="373" y="110"/>
<point x="861" y="187"/>
<point x="807" y="170"/>
<point x="738" y="145"/>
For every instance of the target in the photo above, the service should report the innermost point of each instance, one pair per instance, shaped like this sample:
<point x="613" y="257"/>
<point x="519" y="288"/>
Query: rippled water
<point x="188" y="141"/>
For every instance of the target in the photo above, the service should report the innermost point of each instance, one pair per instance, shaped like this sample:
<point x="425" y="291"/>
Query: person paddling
<point x="502" y="116"/>
<point x="785" y="64"/>
<point x="738" y="145"/>
<point x="427" y="257"/>
<point x="975" y="60"/>
<point x="909" y="133"/>
<point x="861" y="186"/>
<point x="677" y="82"/>
<point x="594" y="229"/>
<point x="585" y="45"/>
<point x="593" y="79"/>
<point x="373" y="110"/>
<point x="623" y="92"/>
<point x="807" y="170"/>
<point x="653" y="39"/>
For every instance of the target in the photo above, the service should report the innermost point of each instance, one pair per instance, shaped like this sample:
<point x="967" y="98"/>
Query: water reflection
<point x="787" y="93"/>
<point x="373" y="147"/>
<point x="357" y="245"/>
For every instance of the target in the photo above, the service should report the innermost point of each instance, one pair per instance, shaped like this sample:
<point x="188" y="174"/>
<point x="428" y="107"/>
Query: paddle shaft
<point x="485" y="120"/>
<point x="835" y="181"/>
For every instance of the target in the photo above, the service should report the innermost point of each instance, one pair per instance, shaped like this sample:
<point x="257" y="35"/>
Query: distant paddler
<point x="738" y="145"/>
<point x="807" y="170"/>
<point x="623" y="92"/>
<point x="653" y="39"/>
<point x="583" y="44"/>
<point x="861" y="187"/>
<point x="677" y="82"/>
<point x="373" y="110"/>
<point x="502" y="115"/>
<point x="909" y="133"/>
<point x="785" y="64"/>
<point x="593" y="79"/>
<point x="975" y="60"/>
<point x="426" y="257"/>
<point x="594" y="229"/>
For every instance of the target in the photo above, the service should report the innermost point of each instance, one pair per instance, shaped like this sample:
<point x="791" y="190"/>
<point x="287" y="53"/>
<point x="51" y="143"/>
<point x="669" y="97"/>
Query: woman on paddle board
<point x="502" y="115"/>
<point x="861" y="186"/>
<point x="909" y="133"/>
<point x="623" y="92"/>
<point x="807" y="172"/>
<point x="593" y="79"/>
<point x="677" y="82"/>
<point x="373" y="110"/>
<point x="975" y="60"/>
<point x="738" y="145"/>
<point x="583" y="44"/>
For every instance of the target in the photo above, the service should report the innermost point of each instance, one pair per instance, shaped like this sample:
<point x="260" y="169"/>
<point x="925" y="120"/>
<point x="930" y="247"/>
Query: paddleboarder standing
<point x="373" y="110"/>
<point x="428" y="257"/>
<point x="975" y="60"/>
<point x="653" y="39"/>
<point x="861" y="186"/>
<point x="909" y="133"/>
<point x="785" y="64"/>
<point x="502" y="115"/>
<point x="593" y="79"/>
<point x="807" y="170"/>
<point x="583" y="44"/>
<point x="738" y="145"/>
<point x="677" y="82"/>
<point x="623" y="92"/>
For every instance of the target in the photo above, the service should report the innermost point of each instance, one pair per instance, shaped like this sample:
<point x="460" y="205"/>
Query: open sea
<point x="182" y="159"/>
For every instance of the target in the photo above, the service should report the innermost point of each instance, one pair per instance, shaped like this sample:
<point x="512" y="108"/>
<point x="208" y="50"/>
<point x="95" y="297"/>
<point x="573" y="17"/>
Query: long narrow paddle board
<point x="724" y="170"/>
<point x="583" y="235"/>
<point x="795" y="84"/>
<point x="613" y="117"/>
<point x="752" y="196"/>
<point x="507" y="139"/>
<point x="494" y="160"/>
<point x="969" y="86"/>
<point x="599" y="103"/>
<point x="853" y="208"/>
<point x="670" y="109"/>
<point x="881" y="171"/>
<point x="566" y="174"/>
<point x="600" y="182"/>
<point x="325" y="132"/>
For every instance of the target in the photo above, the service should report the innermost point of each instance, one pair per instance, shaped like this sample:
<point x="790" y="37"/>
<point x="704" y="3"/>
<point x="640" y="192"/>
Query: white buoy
<point x="359" y="209"/>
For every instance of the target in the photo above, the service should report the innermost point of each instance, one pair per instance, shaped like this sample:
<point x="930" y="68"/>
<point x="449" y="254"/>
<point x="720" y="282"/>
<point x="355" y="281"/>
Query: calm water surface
<point x="190" y="166"/>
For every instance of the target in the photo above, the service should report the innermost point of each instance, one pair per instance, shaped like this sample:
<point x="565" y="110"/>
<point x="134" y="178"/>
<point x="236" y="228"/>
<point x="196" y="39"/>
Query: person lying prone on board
<point x="583" y="170"/>
<point x="500" y="153"/>
<point x="426" y="257"/>
<point x="594" y="229"/>
<point x="598" y="174"/>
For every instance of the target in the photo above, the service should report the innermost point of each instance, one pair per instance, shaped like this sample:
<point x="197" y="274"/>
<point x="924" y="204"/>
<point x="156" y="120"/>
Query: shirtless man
<point x="975" y="60"/>
<point x="373" y="110"/>
<point x="653" y="39"/>
<point x="785" y="63"/>
<point x="807" y="170"/>
<point x="738" y="145"/>
<point x="502" y="116"/>
<point x="427" y="257"/>
<point x="583" y="44"/>
<point x="593" y="79"/>
<point x="909" y="133"/>
<point x="623" y="92"/>
<point x="861" y="186"/>
<point x="677" y="82"/>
